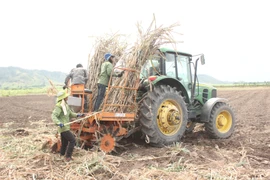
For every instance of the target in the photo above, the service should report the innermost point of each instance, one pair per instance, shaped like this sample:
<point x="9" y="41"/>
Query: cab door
<point x="177" y="66"/>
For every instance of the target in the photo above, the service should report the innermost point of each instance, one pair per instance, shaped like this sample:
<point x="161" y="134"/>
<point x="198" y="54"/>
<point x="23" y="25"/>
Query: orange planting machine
<point x="102" y="128"/>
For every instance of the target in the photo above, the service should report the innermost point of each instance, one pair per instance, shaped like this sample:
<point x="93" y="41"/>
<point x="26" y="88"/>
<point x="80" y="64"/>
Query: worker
<point x="61" y="116"/>
<point x="77" y="75"/>
<point x="104" y="77"/>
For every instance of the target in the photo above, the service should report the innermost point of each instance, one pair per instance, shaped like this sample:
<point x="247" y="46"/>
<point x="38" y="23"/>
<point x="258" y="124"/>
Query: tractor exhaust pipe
<point x="195" y="75"/>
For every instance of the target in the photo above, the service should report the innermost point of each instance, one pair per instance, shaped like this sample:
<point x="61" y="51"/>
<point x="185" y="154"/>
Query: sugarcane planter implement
<point x="168" y="101"/>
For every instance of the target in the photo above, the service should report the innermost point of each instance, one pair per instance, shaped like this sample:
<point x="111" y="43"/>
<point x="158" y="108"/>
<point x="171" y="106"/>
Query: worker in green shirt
<point x="104" y="77"/>
<point x="61" y="116"/>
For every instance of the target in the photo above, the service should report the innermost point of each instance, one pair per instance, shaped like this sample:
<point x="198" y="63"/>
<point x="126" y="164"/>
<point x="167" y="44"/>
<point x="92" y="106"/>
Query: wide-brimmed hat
<point x="61" y="95"/>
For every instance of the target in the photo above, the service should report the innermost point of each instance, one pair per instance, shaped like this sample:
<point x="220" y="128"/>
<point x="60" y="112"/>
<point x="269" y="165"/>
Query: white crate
<point x="75" y="103"/>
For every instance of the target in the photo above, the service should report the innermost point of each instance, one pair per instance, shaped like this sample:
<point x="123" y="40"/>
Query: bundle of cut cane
<point x="113" y="44"/>
<point x="146" y="46"/>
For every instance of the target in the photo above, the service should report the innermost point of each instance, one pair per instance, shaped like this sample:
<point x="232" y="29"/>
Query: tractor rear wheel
<point x="163" y="116"/>
<point x="222" y="121"/>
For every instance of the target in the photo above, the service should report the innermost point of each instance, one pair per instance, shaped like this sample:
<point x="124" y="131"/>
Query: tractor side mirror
<point x="202" y="59"/>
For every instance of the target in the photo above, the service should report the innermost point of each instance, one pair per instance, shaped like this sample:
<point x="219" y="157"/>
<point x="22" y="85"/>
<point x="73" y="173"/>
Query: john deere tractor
<point x="172" y="101"/>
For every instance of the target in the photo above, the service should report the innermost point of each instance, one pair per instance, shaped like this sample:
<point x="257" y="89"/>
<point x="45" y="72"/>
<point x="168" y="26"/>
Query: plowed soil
<point x="245" y="155"/>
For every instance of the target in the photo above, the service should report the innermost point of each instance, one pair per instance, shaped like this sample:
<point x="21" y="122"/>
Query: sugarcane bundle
<point x="112" y="43"/>
<point x="147" y="45"/>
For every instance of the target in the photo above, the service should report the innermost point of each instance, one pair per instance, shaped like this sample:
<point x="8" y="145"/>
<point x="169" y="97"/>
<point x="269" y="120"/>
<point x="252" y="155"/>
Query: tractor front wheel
<point x="222" y="121"/>
<point x="163" y="116"/>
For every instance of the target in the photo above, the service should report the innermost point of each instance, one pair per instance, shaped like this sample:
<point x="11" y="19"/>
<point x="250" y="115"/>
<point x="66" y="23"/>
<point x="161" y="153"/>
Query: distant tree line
<point x="265" y="83"/>
<point x="22" y="87"/>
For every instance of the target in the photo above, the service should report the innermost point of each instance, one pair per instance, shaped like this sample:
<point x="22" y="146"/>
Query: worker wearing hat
<point x="104" y="77"/>
<point x="61" y="116"/>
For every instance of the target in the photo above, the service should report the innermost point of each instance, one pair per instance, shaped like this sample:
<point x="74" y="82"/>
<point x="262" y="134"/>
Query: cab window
<point x="170" y="65"/>
<point x="183" y="68"/>
<point x="151" y="67"/>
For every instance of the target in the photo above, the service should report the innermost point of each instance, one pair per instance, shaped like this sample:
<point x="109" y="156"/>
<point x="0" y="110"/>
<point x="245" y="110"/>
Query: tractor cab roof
<point x="168" y="50"/>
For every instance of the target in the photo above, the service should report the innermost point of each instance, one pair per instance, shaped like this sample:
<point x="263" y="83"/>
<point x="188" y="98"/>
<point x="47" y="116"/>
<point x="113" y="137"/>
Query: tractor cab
<point x="177" y="70"/>
<point x="167" y="66"/>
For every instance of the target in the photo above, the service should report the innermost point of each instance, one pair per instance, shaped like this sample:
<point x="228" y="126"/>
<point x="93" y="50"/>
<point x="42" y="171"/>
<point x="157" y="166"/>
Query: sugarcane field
<point x="156" y="121"/>
<point x="245" y="155"/>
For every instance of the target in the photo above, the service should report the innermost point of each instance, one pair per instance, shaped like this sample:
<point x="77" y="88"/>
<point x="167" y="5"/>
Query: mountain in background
<point x="18" y="78"/>
<point x="203" y="78"/>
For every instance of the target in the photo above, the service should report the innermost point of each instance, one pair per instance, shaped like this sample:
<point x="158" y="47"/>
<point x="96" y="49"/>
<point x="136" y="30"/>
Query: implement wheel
<point x="107" y="143"/>
<point x="222" y="121"/>
<point x="163" y="116"/>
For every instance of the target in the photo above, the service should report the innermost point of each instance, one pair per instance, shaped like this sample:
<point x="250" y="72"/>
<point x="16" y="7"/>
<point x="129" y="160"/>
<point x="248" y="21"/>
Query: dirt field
<point x="246" y="155"/>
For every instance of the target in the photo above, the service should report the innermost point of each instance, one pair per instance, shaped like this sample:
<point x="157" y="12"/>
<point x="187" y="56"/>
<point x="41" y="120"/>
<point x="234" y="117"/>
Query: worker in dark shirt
<point x="77" y="75"/>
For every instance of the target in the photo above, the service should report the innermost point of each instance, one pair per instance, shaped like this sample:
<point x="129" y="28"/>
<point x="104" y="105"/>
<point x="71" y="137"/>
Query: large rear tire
<point x="163" y="116"/>
<point x="222" y="121"/>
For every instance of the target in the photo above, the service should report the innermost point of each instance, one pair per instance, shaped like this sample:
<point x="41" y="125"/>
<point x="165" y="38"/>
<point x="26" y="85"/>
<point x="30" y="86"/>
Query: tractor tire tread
<point x="146" y="115"/>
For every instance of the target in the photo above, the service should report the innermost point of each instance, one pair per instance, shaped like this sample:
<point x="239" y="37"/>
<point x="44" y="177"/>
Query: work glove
<point x="61" y="125"/>
<point x="80" y="115"/>
<point x="64" y="87"/>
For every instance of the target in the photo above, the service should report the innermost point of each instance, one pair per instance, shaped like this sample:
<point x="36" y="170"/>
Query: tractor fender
<point x="173" y="83"/>
<point x="207" y="108"/>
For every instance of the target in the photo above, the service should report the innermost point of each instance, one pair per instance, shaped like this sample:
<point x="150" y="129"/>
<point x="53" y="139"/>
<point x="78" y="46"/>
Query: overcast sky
<point x="55" y="35"/>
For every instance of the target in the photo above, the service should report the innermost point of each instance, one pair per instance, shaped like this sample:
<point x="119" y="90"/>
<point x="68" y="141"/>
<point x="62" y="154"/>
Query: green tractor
<point x="172" y="101"/>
